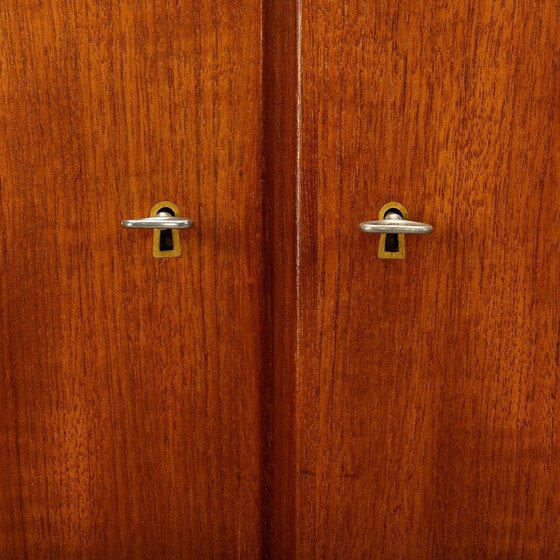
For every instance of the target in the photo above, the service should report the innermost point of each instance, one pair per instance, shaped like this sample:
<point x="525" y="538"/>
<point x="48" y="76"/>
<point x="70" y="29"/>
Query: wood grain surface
<point x="426" y="406"/>
<point x="130" y="386"/>
<point x="412" y="411"/>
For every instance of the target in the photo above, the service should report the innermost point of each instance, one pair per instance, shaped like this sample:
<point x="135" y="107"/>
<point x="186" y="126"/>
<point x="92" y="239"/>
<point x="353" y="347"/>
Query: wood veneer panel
<point x="130" y="386"/>
<point x="426" y="406"/>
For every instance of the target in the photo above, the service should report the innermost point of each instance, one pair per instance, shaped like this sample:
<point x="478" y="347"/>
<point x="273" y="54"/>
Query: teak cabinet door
<point x="278" y="391"/>
<point x="426" y="416"/>
<point x="130" y="386"/>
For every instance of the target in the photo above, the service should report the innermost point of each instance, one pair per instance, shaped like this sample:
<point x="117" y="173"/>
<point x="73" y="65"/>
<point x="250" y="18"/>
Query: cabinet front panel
<point x="427" y="387"/>
<point x="130" y="385"/>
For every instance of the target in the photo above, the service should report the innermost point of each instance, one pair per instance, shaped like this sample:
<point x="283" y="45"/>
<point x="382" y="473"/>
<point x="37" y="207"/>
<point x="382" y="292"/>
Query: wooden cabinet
<point x="278" y="391"/>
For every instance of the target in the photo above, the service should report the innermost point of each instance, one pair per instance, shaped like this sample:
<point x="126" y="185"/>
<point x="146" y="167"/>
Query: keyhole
<point x="392" y="243"/>
<point x="392" y="239"/>
<point x="166" y="242"/>
<point x="166" y="235"/>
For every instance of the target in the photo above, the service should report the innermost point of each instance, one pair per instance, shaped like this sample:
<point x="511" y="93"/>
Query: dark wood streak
<point x="281" y="84"/>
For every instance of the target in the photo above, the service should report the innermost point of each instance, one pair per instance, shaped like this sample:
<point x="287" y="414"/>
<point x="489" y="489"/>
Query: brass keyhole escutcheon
<point x="393" y="224"/>
<point x="166" y="242"/>
<point x="391" y="245"/>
